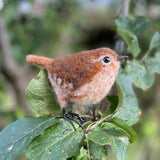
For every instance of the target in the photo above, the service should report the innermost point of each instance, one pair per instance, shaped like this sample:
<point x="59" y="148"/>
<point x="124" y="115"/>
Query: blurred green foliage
<point x="30" y="33"/>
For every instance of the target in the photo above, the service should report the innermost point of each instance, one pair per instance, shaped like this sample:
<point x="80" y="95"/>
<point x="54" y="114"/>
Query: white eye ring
<point x="106" y="59"/>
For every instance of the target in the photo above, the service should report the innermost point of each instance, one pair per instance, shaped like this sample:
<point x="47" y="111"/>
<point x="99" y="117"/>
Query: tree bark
<point x="11" y="70"/>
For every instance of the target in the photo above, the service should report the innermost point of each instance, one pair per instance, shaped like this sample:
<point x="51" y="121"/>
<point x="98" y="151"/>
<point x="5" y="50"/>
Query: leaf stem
<point x="94" y="124"/>
<point x="147" y="53"/>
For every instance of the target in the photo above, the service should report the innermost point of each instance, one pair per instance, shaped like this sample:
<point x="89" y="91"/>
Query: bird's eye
<point x="106" y="59"/>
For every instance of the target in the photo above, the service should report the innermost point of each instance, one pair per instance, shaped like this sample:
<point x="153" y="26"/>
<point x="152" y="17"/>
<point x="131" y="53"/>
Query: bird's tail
<point x="38" y="60"/>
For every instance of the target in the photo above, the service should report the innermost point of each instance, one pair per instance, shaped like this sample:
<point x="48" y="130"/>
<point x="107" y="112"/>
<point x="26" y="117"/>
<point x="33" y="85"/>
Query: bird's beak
<point x="119" y="58"/>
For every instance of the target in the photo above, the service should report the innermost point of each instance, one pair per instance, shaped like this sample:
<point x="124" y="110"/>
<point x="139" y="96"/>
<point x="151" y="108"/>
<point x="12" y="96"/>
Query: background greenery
<point x="60" y="27"/>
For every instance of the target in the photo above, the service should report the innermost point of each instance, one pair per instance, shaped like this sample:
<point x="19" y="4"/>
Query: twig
<point x="11" y="70"/>
<point x="147" y="53"/>
<point x="94" y="124"/>
<point x="124" y="11"/>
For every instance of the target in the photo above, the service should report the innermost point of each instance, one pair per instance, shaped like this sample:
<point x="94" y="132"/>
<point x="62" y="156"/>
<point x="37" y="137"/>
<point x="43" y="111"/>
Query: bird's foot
<point x="70" y="116"/>
<point x="76" y="116"/>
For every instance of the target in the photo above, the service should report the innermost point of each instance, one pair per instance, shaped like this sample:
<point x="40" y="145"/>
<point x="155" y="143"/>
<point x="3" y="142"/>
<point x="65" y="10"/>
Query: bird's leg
<point x="71" y="117"/>
<point x="65" y="116"/>
<point x="94" y="112"/>
<point x="75" y="115"/>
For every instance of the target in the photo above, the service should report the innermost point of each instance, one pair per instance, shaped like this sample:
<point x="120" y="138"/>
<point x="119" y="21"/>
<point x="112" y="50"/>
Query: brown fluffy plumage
<point x="83" y="78"/>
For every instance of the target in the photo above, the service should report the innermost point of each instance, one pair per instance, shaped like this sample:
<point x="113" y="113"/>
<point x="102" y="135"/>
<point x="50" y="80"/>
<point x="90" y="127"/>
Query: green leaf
<point x="131" y="40"/>
<point x="114" y="102"/>
<point x="121" y="148"/>
<point x="83" y="155"/>
<point x="41" y="97"/>
<point x="110" y="137"/>
<point x="140" y="76"/>
<point x="155" y="42"/>
<point x="108" y="125"/>
<point x="17" y="135"/>
<point x="123" y="23"/>
<point x="97" y="151"/>
<point x="56" y="143"/>
<point x="138" y="25"/>
<point x="124" y="127"/>
<point x="153" y="62"/>
<point x="128" y="106"/>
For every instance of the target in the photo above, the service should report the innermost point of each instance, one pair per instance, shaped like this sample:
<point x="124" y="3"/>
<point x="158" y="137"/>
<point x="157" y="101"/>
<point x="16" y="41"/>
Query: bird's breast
<point x="87" y="94"/>
<point x="94" y="91"/>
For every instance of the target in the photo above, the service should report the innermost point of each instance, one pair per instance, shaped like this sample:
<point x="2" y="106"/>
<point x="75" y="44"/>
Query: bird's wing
<point x="76" y="70"/>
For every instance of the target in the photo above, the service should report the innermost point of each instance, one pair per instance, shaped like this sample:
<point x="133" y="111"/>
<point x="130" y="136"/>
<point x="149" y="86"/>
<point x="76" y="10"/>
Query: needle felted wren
<point x="82" y="79"/>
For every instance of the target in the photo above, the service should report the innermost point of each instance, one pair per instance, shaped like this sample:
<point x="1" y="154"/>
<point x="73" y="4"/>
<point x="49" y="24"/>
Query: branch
<point x="125" y="8"/>
<point x="11" y="70"/>
<point x="6" y="47"/>
<point x="124" y="11"/>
